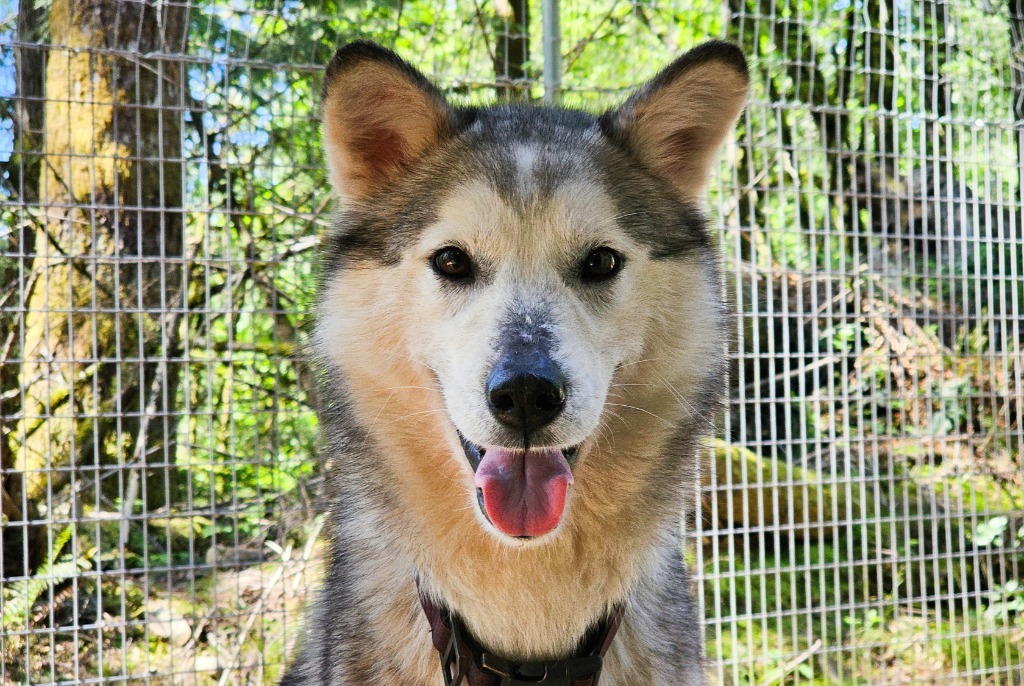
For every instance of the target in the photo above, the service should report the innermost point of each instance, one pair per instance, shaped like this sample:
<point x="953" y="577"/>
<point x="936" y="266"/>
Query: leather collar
<point x="465" y="663"/>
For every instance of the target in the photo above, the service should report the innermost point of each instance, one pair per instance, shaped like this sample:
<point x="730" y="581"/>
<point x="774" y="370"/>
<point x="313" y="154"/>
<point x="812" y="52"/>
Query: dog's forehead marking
<point x="525" y="156"/>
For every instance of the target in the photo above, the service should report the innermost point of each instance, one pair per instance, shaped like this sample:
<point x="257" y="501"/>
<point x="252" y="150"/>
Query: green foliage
<point x="990" y="532"/>
<point x="20" y="597"/>
<point x="1005" y="600"/>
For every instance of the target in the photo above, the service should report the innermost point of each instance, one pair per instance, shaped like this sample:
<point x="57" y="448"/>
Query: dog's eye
<point x="601" y="264"/>
<point x="452" y="263"/>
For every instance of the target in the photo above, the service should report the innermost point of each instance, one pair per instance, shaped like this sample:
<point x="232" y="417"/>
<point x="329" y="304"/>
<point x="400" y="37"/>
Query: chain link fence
<point x="861" y="519"/>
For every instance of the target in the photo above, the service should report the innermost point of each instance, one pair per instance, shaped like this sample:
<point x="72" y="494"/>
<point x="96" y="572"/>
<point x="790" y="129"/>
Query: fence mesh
<point x="861" y="519"/>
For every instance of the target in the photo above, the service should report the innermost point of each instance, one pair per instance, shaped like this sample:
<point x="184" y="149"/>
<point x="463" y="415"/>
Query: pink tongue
<point x="524" y="493"/>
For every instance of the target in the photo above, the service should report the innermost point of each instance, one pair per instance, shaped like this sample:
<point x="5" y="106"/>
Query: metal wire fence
<point x="861" y="519"/>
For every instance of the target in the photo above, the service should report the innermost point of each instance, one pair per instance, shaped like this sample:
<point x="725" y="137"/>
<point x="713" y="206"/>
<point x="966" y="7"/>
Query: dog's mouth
<point x="521" y="492"/>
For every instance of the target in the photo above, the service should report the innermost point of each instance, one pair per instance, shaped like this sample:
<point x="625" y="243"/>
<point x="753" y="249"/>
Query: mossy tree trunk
<point x="96" y="385"/>
<point x="21" y="188"/>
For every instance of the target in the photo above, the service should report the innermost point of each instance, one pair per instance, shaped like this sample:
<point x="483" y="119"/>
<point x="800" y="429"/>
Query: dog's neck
<point x="464" y="662"/>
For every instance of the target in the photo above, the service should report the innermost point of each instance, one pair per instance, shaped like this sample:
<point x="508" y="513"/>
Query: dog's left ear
<point x="676" y="122"/>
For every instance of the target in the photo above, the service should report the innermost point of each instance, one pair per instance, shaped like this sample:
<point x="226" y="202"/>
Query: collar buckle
<point x="452" y="665"/>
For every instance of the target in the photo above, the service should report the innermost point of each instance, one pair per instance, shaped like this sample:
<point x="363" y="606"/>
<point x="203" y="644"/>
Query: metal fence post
<point x="552" y="52"/>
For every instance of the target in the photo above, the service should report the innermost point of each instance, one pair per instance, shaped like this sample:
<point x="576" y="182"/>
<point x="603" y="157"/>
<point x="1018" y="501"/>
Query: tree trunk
<point x="21" y="188"/>
<point x="1017" y="72"/>
<point x="110" y="194"/>
<point x="512" y="49"/>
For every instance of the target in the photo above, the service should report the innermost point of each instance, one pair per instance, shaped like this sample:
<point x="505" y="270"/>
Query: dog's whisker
<point x="420" y="413"/>
<point x="640" y="409"/>
<point x="422" y="364"/>
<point x="636" y="362"/>
<point x="683" y="401"/>
<point x="402" y="388"/>
<point x="618" y="416"/>
<point x="624" y="215"/>
<point x="373" y="423"/>
<point x="604" y="432"/>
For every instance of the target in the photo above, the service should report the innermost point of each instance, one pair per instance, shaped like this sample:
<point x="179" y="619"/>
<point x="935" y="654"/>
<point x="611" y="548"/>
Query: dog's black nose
<point x="526" y="400"/>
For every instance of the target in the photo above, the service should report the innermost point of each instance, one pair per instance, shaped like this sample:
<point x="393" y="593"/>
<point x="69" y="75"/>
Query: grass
<point x="828" y="582"/>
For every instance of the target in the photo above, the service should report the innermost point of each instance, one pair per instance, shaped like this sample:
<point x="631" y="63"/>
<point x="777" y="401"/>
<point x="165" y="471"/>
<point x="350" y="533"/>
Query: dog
<point x="520" y="335"/>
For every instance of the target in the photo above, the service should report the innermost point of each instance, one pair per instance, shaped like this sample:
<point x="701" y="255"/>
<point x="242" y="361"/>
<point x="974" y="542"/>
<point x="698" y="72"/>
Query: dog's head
<point x="534" y="285"/>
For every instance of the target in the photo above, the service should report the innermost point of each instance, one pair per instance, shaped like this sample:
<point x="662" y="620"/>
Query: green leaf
<point x="991" y="531"/>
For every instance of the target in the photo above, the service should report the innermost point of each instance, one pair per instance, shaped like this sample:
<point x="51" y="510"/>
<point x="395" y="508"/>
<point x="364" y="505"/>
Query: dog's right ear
<point x="379" y="116"/>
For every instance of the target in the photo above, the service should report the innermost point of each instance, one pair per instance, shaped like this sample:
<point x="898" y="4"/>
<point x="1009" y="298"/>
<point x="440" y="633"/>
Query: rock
<point x="206" y="663"/>
<point x="164" y="623"/>
<point x="228" y="556"/>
